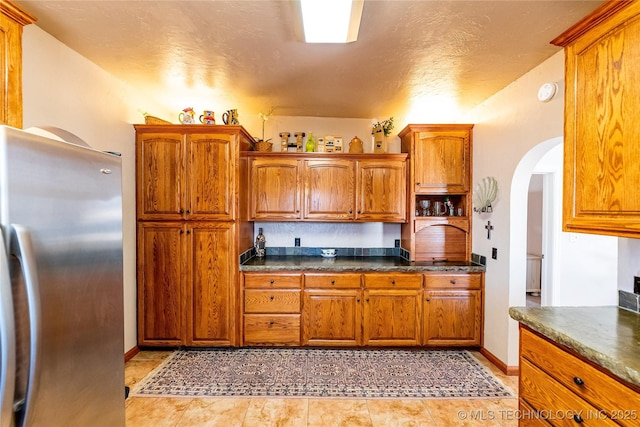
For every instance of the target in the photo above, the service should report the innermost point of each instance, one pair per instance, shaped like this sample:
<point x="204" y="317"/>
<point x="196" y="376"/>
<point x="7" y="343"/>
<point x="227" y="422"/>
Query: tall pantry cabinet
<point x="192" y="224"/>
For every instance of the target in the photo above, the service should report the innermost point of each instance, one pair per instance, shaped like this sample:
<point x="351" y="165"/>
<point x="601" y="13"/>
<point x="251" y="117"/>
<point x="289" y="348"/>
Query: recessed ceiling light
<point x="331" y="21"/>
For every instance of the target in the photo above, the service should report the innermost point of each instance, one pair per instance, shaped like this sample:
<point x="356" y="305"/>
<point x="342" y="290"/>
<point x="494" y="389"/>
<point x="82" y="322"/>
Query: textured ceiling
<point x="411" y="57"/>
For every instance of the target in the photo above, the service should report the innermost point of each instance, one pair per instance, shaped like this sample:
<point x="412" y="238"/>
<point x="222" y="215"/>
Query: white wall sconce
<point x="485" y="194"/>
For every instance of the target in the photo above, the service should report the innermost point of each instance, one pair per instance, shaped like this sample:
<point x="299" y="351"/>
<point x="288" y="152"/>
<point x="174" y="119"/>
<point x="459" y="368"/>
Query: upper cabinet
<point x="12" y="19"/>
<point x="441" y="159"/>
<point x="328" y="187"/>
<point x="187" y="174"/>
<point x="601" y="131"/>
<point x="439" y="191"/>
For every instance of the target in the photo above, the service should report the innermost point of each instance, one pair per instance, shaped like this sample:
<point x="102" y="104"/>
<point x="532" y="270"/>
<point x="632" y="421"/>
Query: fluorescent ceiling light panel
<point x="331" y="21"/>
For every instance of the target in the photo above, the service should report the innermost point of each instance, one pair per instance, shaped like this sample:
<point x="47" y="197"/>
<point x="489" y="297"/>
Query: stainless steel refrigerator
<point x="61" y="296"/>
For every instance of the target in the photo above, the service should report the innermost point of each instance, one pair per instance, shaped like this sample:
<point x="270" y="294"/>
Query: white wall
<point x="513" y="132"/>
<point x="65" y="90"/>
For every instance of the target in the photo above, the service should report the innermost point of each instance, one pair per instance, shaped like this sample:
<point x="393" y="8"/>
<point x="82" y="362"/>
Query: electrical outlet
<point x="636" y="285"/>
<point x="494" y="253"/>
<point x="297" y="241"/>
<point x="397" y="243"/>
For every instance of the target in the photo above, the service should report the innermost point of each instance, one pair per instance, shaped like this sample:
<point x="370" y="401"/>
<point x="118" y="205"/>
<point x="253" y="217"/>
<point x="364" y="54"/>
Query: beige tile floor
<point x="297" y="412"/>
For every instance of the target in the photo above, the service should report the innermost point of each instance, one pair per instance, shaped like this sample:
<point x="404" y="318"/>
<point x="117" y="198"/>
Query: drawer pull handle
<point x="272" y="281"/>
<point x="577" y="418"/>
<point x="393" y="282"/>
<point x="271" y="322"/>
<point x="452" y="281"/>
<point x="333" y="282"/>
<point x="578" y="380"/>
<point x="271" y="297"/>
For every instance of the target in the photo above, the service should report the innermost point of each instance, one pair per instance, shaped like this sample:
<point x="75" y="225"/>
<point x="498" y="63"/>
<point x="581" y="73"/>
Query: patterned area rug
<point x="237" y="372"/>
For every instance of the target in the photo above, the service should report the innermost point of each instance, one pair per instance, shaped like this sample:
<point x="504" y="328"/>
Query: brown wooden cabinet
<point x="190" y="232"/>
<point x="439" y="173"/>
<point x="601" y="131"/>
<point x="272" y="306"/>
<point x="185" y="176"/>
<point x="381" y="191"/>
<point x="556" y="381"/>
<point x="332" y="314"/>
<point x="275" y="187"/>
<point x="326" y="188"/>
<point x="453" y="309"/>
<point x="392" y="309"/>
<point x="12" y="19"/>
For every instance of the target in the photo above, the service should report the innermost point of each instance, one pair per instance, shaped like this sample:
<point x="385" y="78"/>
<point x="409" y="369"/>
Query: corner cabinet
<point x="12" y="20"/>
<point x="327" y="188"/>
<point x="601" y="131"/>
<point x="190" y="231"/>
<point x="439" y="192"/>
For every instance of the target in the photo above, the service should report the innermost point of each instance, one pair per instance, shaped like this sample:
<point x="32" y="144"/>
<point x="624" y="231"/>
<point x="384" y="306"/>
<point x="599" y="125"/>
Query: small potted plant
<point x="262" y="144"/>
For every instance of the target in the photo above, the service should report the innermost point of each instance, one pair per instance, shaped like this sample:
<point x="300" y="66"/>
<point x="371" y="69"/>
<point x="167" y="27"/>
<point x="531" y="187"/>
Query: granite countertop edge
<point x="354" y="264"/>
<point x="586" y="349"/>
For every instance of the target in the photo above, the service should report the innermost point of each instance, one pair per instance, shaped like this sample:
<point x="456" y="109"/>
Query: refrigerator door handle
<point x="7" y="341"/>
<point x="22" y="248"/>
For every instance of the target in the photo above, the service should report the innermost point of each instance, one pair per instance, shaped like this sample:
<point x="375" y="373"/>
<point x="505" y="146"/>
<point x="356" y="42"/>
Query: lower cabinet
<point x="185" y="296"/>
<point x="453" y="309"/>
<point x="271" y="307"/>
<point x="557" y="382"/>
<point x="370" y="309"/>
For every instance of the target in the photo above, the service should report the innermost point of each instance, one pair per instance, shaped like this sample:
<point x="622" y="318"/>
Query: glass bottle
<point x="261" y="242"/>
<point x="311" y="144"/>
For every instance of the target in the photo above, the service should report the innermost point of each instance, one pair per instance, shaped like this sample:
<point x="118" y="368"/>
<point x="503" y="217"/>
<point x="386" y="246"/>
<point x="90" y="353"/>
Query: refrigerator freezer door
<point x="7" y="341"/>
<point x="71" y="206"/>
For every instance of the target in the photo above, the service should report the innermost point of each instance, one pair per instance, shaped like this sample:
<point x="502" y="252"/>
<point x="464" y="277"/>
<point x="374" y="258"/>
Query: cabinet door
<point x="160" y="171"/>
<point x="601" y="174"/>
<point x="329" y="189"/>
<point x="392" y="317"/>
<point x="161" y="284"/>
<point x="452" y="317"/>
<point x="381" y="191"/>
<point x="275" y="189"/>
<point x="332" y="317"/>
<point x="212" y="278"/>
<point x="210" y="177"/>
<point x="442" y="162"/>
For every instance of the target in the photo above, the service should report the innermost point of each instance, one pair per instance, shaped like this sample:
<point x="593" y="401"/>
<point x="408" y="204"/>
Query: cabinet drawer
<point x="582" y="378"/>
<point x="261" y="280"/>
<point x="272" y="301"/>
<point x="393" y="281"/>
<point x="334" y="281"/>
<point x="545" y="394"/>
<point x="529" y="417"/>
<point x="282" y="329"/>
<point x="453" y="281"/>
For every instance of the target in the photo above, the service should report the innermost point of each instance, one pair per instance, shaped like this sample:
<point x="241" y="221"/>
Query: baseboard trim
<point x="508" y="370"/>
<point x="131" y="353"/>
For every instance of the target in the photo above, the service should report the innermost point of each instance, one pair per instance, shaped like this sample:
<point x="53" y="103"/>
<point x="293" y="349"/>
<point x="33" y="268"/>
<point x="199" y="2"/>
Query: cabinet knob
<point x="271" y="297"/>
<point x="350" y="211"/>
<point x="577" y="418"/>
<point x="578" y="381"/>
<point x="271" y="322"/>
<point x="418" y="184"/>
<point x="181" y="211"/>
<point x="359" y="211"/>
<point x="452" y="281"/>
<point x="297" y="210"/>
<point x="181" y="231"/>
<point x="367" y="300"/>
<point x="188" y="211"/>
<point x="272" y="281"/>
<point x="393" y="282"/>
<point x="333" y="282"/>
<point x="357" y="299"/>
<point x="428" y="299"/>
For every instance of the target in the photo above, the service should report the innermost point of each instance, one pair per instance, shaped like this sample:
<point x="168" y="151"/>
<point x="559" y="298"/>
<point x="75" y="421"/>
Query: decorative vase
<point x="379" y="140"/>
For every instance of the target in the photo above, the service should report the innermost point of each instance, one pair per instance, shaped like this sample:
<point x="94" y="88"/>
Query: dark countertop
<point x="354" y="263"/>
<point x="607" y="336"/>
